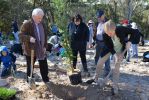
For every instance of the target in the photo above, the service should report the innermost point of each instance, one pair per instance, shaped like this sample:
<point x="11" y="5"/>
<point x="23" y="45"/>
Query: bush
<point x="6" y="94"/>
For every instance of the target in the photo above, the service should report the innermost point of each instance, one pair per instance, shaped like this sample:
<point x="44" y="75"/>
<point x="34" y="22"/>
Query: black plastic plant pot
<point x="75" y="78"/>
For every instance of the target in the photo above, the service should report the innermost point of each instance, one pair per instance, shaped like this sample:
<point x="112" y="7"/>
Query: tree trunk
<point x="34" y="4"/>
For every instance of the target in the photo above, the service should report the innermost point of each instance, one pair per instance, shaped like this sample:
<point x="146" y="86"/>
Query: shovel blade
<point x="31" y="82"/>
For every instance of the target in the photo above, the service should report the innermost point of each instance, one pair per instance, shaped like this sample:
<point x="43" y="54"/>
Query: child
<point x="8" y="60"/>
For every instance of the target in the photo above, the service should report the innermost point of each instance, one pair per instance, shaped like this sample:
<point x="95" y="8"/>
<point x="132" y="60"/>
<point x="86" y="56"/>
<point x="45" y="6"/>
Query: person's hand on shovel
<point x="32" y="39"/>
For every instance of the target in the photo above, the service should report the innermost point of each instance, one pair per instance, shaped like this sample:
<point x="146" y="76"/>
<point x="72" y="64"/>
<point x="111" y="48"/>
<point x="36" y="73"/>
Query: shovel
<point x="31" y="80"/>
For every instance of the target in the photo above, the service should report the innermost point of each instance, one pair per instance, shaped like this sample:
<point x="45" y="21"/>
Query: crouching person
<point x="114" y="38"/>
<point x="7" y="62"/>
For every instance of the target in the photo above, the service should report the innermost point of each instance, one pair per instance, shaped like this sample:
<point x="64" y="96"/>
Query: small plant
<point x="6" y="94"/>
<point x="74" y="74"/>
<point x="68" y="51"/>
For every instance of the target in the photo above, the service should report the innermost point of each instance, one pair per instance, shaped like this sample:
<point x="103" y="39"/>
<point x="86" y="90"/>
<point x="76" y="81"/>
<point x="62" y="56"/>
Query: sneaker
<point x="46" y="81"/>
<point x="128" y="60"/>
<point x="90" y="81"/>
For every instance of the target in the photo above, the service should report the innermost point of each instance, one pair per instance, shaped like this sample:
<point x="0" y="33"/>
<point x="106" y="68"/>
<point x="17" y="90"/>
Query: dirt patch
<point x="59" y="87"/>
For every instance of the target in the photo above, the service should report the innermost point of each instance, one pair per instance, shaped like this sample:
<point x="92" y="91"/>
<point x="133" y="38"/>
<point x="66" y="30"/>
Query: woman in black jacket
<point x="78" y="38"/>
<point x="116" y="44"/>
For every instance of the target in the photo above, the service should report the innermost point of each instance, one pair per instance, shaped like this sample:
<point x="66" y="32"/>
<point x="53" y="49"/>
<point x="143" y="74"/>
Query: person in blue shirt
<point x="7" y="60"/>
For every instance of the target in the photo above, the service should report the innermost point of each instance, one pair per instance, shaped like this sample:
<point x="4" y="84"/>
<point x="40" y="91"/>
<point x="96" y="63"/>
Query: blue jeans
<point x="5" y="72"/>
<point x="135" y="50"/>
<point x="101" y="50"/>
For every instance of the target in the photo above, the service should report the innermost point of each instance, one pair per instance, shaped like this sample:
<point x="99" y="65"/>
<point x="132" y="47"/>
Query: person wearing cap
<point x="33" y="36"/>
<point x="90" y="26"/>
<point x="98" y="37"/>
<point x="79" y="36"/>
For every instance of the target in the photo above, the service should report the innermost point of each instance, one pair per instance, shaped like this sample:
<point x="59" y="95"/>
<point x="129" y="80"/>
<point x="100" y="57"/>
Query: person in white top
<point x="98" y="37"/>
<point x="91" y="31"/>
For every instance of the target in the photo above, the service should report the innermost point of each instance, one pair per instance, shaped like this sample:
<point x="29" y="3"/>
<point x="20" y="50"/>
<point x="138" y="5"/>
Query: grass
<point x="6" y="94"/>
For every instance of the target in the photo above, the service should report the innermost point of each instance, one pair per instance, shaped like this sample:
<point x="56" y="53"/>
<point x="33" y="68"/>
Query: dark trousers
<point x="83" y="58"/>
<point x="43" y="65"/>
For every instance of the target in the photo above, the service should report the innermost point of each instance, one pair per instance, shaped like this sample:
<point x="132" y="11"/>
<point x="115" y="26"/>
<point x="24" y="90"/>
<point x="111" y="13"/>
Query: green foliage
<point x="11" y="37"/>
<point x="59" y="12"/>
<point x="4" y="12"/>
<point x="68" y="50"/>
<point x="6" y="94"/>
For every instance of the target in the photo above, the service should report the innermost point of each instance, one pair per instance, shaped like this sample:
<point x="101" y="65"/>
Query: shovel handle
<point x="32" y="62"/>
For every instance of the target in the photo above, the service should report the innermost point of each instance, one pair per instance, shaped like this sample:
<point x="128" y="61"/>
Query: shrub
<point x="6" y="94"/>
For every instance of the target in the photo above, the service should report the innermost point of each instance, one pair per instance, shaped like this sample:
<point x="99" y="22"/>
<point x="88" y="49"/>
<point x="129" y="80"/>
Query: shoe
<point x="128" y="60"/>
<point x="46" y="81"/>
<point x="90" y="81"/>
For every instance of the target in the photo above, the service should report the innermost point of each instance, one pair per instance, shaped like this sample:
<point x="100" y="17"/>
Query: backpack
<point x="146" y="56"/>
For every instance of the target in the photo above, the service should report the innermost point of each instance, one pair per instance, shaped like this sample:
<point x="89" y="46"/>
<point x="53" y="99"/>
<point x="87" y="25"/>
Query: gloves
<point x="32" y="39"/>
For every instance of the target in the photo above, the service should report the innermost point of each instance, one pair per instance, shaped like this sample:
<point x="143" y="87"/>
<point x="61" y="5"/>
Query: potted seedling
<point x="74" y="74"/>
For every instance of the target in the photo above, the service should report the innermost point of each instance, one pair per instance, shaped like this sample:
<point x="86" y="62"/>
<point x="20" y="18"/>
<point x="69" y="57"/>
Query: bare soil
<point x="133" y="85"/>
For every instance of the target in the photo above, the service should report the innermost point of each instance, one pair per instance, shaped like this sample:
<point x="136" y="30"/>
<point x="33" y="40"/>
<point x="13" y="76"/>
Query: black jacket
<point x="79" y="36"/>
<point x="136" y="37"/>
<point x="122" y="33"/>
<point x="80" y="33"/>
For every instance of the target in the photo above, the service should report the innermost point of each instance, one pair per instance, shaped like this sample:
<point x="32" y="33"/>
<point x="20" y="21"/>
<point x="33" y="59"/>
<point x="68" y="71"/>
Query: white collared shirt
<point x="100" y="30"/>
